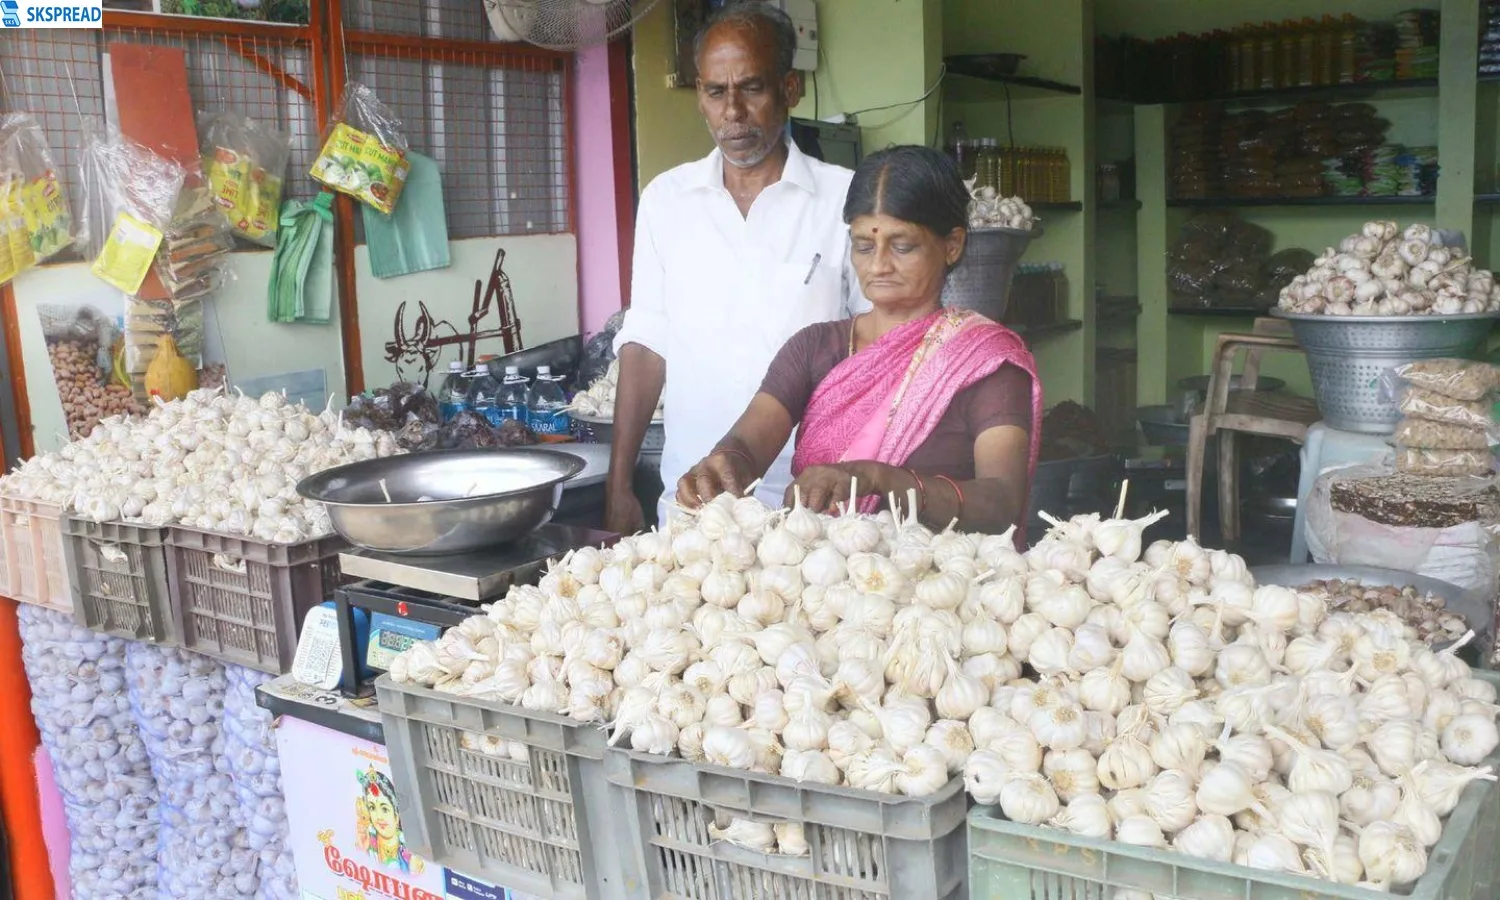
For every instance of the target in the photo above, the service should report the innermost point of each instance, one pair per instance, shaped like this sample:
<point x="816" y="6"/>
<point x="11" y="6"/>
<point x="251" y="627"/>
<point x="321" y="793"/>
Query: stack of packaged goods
<point x="1307" y="150"/>
<point x="1195" y="158"/>
<point x="1489" y="39"/>
<point x="1449" y="425"/>
<point x="1417" y="43"/>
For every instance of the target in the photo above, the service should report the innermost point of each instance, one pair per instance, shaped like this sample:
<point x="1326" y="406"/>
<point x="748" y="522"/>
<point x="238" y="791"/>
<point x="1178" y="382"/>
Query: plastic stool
<point x="1325" y="448"/>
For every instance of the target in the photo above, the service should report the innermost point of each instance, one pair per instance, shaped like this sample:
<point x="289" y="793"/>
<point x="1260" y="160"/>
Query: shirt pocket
<point x="802" y="294"/>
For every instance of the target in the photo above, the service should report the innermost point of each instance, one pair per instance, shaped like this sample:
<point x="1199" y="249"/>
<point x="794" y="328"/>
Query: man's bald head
<point x="766" y="24"/>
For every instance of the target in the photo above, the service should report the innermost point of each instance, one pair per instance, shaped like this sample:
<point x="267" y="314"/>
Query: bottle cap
<point x="543" y="370"/>
<point x="512" y="370"/>
<point x="455" y="366"/>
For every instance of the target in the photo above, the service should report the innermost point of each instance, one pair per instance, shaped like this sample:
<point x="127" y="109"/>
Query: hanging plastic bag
<point x="245" y="162"/>
<point x="31" y="193"/>
<point x="364" y="154"/>
<point x="133" y="193"/>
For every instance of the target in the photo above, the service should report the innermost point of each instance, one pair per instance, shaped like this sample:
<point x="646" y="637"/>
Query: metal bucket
<point x="1348" y="355"/>
<point x="981" y="280"/>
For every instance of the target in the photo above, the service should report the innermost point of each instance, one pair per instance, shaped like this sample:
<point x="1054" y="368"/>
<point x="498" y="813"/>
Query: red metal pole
<point x="31" y="875"/>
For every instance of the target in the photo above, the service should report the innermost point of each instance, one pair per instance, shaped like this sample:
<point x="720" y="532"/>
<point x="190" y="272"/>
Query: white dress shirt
<point x="715" y="293"/>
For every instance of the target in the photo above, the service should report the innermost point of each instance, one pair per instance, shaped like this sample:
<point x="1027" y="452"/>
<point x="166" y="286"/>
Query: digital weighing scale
<point x="410" y="598"/>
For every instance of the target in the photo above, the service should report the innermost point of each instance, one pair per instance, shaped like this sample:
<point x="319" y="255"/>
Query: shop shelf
<point x="1220" y="312"/>
<point x="861" y="843"/>
<point x="1051" y="328"/>
<point x="1329" y="200"/>
<point x="242" y="600"/>
<point x="32" y="568"/>
<point x="119" y="578"/>
<point x="1024" y="862"/>
<point x="1057" y="206"/>
<point x="542" y="825"/>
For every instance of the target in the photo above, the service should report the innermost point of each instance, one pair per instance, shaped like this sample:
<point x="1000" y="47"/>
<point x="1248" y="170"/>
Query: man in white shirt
<point x="734" y="254"/>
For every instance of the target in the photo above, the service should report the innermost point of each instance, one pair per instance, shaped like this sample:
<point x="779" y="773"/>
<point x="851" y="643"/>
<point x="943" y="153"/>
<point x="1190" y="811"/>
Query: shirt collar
<point x="709" y="174"/>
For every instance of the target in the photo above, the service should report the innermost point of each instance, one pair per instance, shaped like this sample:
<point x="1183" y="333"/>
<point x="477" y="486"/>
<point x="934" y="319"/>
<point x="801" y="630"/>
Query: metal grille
<point x="266" y="78"/>
<point x="495" y="125"/>
<point x="456" y="20"/>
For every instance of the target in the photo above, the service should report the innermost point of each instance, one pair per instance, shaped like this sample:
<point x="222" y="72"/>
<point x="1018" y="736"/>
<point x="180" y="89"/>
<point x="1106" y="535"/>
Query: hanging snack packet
<point x="16" y="255"/>
<point x="364" y="154"/>
<point x="33" y="191"/>
<point x="134" y="193"/>
<point x="245" y="162"/>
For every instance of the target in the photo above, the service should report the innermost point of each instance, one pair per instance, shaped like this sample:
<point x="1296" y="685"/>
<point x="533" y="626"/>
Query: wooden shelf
<point x="1333" y="92"/>
<point x="1487" y="199"/>
<point x="1120" y="204"/>
<point x="1219" y="312"/>
<point x="1036" y="331"/>
<point x="1021" y="87"/>
<point x="1209" y="203"/>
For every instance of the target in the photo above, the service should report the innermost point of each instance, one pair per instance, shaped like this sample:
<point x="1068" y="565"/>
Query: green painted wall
<point x="1057" y="40"/>
<point x="850" y="77"/>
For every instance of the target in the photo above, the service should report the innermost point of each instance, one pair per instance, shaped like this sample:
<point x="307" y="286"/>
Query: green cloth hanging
<point x="413" y="238"/>
<point x="301" y="283"/>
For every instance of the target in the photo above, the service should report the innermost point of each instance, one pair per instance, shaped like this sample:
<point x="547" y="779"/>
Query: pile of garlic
<point x="1384" y="271"/>
<point x="598" y="399"/>
<point x="987" y="209"/>
<point x="79" y="701"/>
<point x="212" y="460"/>
<point x="1158" y="698"/>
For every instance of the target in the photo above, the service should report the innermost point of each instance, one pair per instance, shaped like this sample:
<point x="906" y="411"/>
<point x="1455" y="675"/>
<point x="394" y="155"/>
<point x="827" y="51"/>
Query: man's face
<point x="740" y="96"/>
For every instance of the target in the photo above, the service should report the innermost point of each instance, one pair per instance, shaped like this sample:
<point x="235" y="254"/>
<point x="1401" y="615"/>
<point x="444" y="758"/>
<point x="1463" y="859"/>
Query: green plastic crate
<point x="862" y="845"/>
<point x="1027" y="862"/>
<point x="547" y="825"/>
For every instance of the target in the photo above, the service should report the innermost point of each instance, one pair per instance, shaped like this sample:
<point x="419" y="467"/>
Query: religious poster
<point x="345" y="817"/>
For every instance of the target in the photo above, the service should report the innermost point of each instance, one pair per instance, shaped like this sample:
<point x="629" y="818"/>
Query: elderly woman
<point x="908" y="397"/>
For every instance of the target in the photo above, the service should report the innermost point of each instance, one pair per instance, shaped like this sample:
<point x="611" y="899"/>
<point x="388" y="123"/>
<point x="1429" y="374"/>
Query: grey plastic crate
<point x="1026" y="862"/>
<point x="32" y="569"/>
<point x="862" y="844"/>
<point x="119" y="577"/>
<point x="545" y="826"/>
<point x="242" y="600"/>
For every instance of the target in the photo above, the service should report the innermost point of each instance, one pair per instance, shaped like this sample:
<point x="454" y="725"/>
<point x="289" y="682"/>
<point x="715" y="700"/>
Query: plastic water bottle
<point x="484" y="394"/>
<point x="548" y="412"/>
<point x="515" y="396"/>
<point x="453" y="397"/>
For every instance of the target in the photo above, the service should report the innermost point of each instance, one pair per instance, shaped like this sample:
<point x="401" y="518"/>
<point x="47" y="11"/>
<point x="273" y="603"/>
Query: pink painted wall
<point x="599" y="292"/>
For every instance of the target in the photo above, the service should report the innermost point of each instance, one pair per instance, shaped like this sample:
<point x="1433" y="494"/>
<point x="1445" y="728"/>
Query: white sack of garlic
<point x="987" y="209"/>
<point x="1386" y="271"/>
<point x="1096" y="682"/>
<point x="254" y="766"/>
<point x="79" y="701"/>
<point x="178" y="699"/>
<point x="213" y="460"/>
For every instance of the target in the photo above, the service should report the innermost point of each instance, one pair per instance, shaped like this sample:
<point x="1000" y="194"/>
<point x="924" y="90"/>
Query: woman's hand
<point x="824" y="487"/>
<point x="718" y="473"/>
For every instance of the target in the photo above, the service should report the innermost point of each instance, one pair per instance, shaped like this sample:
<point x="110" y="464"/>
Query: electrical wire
<point x="942" y="73"/>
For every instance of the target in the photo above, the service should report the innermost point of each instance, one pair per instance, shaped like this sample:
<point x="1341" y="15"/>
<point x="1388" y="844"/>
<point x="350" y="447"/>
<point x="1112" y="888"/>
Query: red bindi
<point x="875" y="230"/>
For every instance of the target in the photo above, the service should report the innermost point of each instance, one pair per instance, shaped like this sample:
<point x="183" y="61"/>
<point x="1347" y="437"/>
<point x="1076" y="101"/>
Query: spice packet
<point x="364" y="154"/>
<point x="32" y="191"/>
<point x="127" y="253"/>
<point x="1461" y="379"/>
<point x="1445" y="463"/>
<point x="1413" y="432"/>
<point x="1424" y="404"/>
<point x="245" y="163"/>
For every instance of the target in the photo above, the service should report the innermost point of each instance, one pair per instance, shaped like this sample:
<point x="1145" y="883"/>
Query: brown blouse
<point x="1002" y="398"/>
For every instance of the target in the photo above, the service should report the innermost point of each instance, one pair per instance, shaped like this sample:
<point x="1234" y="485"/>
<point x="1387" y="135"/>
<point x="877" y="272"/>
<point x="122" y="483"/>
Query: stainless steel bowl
<point x="443" y="501"/>
<point x="1475" y="609"/>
